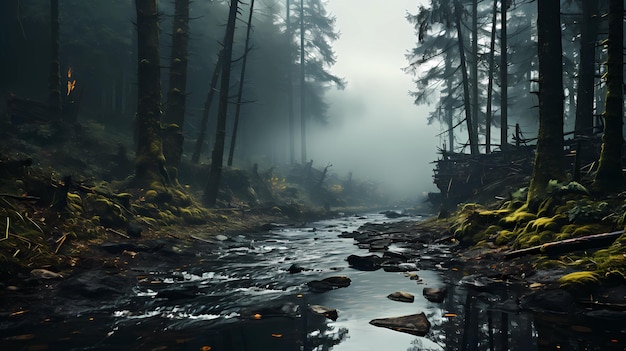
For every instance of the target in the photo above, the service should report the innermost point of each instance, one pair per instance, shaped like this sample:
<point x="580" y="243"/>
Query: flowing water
<point x="236" y="293"/>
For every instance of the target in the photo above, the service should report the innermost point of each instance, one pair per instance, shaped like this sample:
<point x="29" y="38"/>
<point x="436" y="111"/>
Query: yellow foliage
<point x="579" y="278"/>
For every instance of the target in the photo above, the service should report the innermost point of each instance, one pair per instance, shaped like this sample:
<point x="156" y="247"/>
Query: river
<point x="236" y="293"/>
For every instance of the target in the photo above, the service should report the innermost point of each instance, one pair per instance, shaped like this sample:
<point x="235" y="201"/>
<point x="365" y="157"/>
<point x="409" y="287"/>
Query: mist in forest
<point x="374" y="129"/>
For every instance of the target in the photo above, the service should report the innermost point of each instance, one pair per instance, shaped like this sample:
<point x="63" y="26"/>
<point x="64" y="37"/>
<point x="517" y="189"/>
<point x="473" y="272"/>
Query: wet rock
<point x="178" y="293"/>
<point x="401" y="296"/>
<point x="40" y="273"/>
<point x="379" y="245"/>
<point x="392" y="214"/>
<point x="415" y="324"/>
<point x="95" y="285"/>
<point x="295" y="268"/>
<point x="549" y="301"/>
<point x="435" y="294"/>
<point x="330" y="283"/>
<point x="327" y="312"/>
<point x="365" y="263"/>
<point x="340" y="281"/>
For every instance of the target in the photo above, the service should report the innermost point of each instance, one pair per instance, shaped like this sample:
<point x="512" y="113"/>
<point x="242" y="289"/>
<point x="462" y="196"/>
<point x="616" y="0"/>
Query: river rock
<point x="435" y="294"/>
<point x="330" y="283"/>
<point x="327" y="312"/>
<point x="365" y="263"/>
<point x="414" y="324"/>
<point x="295" y="268"/>
<point x="41" y="273"/>
<point x="340" y="281"/>
<point x="401" y="296"/>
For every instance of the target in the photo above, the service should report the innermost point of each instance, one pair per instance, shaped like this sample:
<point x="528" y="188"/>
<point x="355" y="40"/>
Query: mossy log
<point x="568" y="245"/>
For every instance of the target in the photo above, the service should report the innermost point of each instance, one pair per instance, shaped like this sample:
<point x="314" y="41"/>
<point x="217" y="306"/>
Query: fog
<point x="374" y="128"/>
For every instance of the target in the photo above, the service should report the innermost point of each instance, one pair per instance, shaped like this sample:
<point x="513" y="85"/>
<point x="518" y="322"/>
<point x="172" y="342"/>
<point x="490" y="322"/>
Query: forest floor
<point x="64" y="192"/>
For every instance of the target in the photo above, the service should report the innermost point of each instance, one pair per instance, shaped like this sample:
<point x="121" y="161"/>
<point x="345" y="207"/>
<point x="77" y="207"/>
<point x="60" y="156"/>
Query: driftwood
<point x="568" y="245"/>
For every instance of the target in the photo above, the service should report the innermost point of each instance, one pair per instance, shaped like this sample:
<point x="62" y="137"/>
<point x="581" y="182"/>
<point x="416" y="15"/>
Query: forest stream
<point x="238" y="292"/>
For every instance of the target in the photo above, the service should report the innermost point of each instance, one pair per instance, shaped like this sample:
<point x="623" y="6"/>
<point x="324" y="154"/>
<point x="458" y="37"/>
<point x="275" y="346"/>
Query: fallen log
<point x="568" y="245"/>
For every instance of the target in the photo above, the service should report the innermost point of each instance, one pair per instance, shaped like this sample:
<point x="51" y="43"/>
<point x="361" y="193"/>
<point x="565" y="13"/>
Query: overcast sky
<point x="377" y="132"/>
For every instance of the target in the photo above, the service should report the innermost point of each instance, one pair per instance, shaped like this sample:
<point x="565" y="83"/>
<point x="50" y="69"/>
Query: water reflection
<point x="239" y="295"/>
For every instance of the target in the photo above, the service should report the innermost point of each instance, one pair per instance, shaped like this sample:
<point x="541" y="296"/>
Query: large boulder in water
<point x="414" y="324"/>
<point x="365" y="263"/>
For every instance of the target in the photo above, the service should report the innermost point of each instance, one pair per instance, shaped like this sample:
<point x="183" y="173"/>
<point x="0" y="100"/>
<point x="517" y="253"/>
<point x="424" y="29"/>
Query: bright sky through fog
<point x="377" y="132"/>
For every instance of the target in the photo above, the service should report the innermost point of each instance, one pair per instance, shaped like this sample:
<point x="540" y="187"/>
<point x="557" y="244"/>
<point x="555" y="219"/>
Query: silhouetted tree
<point x="174" y="117"/>
<point x="586" y="68"/>
<point x="609" y="176"/>
<point x="54" y="84"/>
<point x="212" y="188"/>
<point x="149" y="159"/>
<point x="548" y="162"/>
<point x="473" y="138"/>
<point x="242" y="77"/>
<point x="204" y="121"/>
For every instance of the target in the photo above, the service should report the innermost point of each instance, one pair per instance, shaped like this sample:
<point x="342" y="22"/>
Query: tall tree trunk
<point x="149" y="159"/>
<point x="448" y="71"/>
<point x="466" y="95"/>
<point x="211" y="190"/>
<point x="504" y="79"/>
<point x="474" y="68"/>
<point x="175" y="112"/>
<point x="54" y="81"/>
<point x="302" y="87"/>
<point x="609" y="176"/>
<point x="290" y="115"/>
<point x="242" y="77"/>
<point x="204" y="121"/>
<point x="549" y="154"/>
<point x="492" y="45"/>
<point x="586" y="74"/>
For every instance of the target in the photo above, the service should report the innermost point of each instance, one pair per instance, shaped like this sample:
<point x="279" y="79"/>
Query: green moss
<point x="579" y="279"/>
<point x="505" y="236"/>
<point x="520" y="216"/>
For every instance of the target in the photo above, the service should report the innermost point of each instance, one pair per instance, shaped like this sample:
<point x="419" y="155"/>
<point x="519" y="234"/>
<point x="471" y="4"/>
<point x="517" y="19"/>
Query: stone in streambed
<point x="365" y="263"/>
<point x="401" y="296"/>
<point x="414" y="324"/>
<point x="327" y="312"/>
<point x="330" y="283"/>
<point x="435" y="294"/>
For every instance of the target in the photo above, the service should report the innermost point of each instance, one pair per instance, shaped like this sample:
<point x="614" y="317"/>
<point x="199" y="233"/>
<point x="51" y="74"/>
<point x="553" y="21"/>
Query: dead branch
<point x="568" y="245"/>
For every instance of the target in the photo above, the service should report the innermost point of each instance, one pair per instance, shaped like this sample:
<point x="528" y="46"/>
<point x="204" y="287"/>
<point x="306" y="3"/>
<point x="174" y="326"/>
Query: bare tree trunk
<point x="504" y="79"/>
<point x="466" y="95"/>
<point x="302" y="86"/>
<point x="149" y="160"/>
<point x="549" y="154"/>
<point x="211" y="190"/>
<point x="492" y="45"/>
<point x="204" y="121"/>
<point x="54" y="82"/>
<point x="586" y="79"/>
<point x="292" y="142"/>
<point x="609" y="176"/>
<point x="175" y="113"/>
<point x="246" y="49"/>
<point x="474" y="68"/>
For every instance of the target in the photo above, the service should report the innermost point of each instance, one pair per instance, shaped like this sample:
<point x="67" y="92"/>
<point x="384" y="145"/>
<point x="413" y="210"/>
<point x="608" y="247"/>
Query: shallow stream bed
<point x="236" y="293"/>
